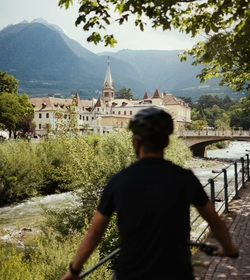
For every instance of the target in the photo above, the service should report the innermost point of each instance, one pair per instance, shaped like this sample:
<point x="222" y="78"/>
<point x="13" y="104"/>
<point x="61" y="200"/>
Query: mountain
<point x="162" y="69"/>
<point x="46" y="61"/>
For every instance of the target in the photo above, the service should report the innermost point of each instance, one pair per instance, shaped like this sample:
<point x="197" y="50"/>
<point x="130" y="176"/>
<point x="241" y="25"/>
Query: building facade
<point x="103" y="114"/>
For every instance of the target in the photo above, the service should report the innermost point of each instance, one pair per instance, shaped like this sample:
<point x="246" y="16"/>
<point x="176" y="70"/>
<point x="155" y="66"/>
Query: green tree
<point x="214" y="114"/>
<point x="8" y="83"/>
<point x="223" y="122"/>
<point x="10" y="110"/>
<point x="16" y="113"/>
<point x="226" y="49"/>
<point x="208" y="100"/>
<point x="198" y="120"/>
<point x="124" y="93"/>
<point x="26" y="117"/>
<point x="227" y="102"/>
<point x="196" y="125"/>
<point x="239" y="113"/>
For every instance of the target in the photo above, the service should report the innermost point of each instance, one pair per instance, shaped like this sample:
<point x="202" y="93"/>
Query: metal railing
<point x="223" y="189"/>
<point x="204" y="132"/>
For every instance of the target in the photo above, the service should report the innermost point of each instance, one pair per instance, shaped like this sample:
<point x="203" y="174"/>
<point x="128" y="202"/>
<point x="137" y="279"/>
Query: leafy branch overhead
<point x="99" y="14"/>
<point x="224" y="25"/>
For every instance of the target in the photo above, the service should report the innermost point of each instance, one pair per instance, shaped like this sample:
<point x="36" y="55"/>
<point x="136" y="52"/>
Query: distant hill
<point x="163" y="69"/>
<point x="46" y="61"/>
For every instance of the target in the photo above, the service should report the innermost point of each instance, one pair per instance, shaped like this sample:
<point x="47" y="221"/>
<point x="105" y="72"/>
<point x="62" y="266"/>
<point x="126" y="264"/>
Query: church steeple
<point x="108" y="91"/>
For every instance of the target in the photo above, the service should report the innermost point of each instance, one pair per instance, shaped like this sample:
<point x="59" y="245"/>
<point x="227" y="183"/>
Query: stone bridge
<point x="198" y="140"/>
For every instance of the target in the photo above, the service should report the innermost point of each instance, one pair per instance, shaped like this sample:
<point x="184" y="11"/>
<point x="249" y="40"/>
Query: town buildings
<point x="105" y="113"/>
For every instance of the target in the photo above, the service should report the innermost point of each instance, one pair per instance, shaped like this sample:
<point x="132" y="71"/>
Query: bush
<point x="177" y="151"/>
<point x="46" y="259"/>
<point x="218" y="145"/>
<point x="19" y="171"/>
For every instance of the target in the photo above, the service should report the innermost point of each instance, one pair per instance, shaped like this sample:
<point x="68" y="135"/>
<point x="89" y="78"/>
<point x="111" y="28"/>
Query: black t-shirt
<point x="152" y="199"/>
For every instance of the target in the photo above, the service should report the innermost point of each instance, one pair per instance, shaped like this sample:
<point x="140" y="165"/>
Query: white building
<point x="103" y="114"/>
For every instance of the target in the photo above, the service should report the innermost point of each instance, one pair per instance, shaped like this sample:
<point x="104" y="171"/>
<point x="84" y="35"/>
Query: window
<point x="83" y="118"/>
<point x="131" y="113"/>
<point x="40" y="125"/>
<point x="47" y="115"/>
<point x="65" y="116"/>
<point x="119" y="112"/>
<point x="106" y="94"/>
<point x="125" y="112"/>
<point x="40" y="115"/>
<point x="80" y="117"/>
<point x="87" y="118"/>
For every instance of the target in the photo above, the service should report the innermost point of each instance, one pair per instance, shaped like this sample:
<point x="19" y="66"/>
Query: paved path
<point x="238" y="222"/>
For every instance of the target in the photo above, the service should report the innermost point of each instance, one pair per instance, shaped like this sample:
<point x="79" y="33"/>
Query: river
<point x="233" y="152"/>
<point x="25" y="214"/>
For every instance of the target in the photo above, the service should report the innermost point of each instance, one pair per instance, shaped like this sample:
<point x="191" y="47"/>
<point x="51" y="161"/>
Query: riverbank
<point x="20" y="220"/>
<point x="26" y="214"/>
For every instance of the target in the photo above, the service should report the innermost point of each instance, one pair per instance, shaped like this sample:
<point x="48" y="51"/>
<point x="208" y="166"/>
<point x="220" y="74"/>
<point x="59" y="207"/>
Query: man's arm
<point x="89" y="243"/>
<point x="219" y="229"/>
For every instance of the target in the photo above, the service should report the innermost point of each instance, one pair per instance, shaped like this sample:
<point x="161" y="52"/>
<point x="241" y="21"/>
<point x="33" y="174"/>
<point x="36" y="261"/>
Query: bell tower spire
<point x="108" y="91"/>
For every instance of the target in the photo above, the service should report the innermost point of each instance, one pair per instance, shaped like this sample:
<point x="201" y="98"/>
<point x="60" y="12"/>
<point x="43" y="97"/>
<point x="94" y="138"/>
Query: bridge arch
<point x="198" y="142"/>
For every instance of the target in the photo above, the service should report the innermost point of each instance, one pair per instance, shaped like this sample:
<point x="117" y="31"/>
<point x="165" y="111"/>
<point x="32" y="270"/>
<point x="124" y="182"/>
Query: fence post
<point x="212" y="193"/>
<point x="242" y="172"/>
<point x="248" y="176"/>
<point x="236" y="181"/>
<point x="225" y="190"/>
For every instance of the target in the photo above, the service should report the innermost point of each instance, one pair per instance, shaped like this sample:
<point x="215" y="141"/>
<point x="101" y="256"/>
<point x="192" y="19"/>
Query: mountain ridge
<point x="46" y="61"/>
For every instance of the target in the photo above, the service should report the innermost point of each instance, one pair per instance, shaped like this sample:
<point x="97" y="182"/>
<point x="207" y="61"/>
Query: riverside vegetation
<point x="81" y="165"/>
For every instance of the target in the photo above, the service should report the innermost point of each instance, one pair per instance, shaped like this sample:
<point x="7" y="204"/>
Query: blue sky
<point x="129" y="37"/>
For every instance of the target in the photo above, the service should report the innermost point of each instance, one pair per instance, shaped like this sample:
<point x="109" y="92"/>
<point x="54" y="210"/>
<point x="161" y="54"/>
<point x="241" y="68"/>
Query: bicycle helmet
<point x="150" y="123"/>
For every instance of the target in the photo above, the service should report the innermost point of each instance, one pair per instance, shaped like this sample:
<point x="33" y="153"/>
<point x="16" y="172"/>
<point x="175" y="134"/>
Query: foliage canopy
<point x="124" y="93"/>
<point x="16" y="111"/>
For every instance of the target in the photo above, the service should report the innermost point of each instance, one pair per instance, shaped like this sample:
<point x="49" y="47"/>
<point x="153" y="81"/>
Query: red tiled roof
<point x="169" y="99"/>
<point x="98" y="103"/>
<point x="146" y="96"/>
<point x="156" y="94"/>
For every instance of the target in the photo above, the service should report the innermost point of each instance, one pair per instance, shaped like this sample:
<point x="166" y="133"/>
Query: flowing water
<point x="28" y="212"/>
<point x="233" y="152"/>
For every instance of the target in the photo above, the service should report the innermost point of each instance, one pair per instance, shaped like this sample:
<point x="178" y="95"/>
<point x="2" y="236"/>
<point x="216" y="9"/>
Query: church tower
<point x="108" y="91"/>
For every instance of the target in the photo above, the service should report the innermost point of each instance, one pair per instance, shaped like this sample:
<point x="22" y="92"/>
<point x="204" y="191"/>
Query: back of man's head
<point x="153" y="126"/>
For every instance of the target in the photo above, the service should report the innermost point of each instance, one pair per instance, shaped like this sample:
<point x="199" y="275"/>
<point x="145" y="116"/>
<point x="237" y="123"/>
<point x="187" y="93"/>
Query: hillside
<point x="47" y="62"/>
<point x="163" y="69"/>
<point x="42" y="61"/>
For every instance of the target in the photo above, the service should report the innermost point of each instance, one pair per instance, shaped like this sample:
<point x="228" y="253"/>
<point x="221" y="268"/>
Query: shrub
<point x="46" y="259"/>
<point x="177" y="151"/>
<point x="19" y="171"/>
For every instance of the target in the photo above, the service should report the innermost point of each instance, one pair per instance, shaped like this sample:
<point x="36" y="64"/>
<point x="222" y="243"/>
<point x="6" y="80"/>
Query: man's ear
<point x="136" y="141"/>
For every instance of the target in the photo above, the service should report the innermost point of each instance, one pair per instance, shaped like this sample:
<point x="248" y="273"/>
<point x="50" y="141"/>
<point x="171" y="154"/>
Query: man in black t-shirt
<point x="152" y="198"/>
